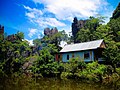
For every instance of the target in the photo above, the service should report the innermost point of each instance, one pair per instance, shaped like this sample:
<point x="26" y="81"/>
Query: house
<point x="88" y="51"/>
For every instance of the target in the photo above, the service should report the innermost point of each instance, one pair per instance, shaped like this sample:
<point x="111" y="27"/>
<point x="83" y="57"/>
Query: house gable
<point x="102" y="45"/>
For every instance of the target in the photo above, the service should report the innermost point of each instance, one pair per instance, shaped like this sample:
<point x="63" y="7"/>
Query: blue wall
<point x="78" y="54"/>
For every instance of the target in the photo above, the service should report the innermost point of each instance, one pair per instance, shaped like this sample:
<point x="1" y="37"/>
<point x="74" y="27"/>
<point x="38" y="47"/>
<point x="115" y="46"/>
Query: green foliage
<point x="93" y="72"/>
<point x="102" y="32"/>
<point x="116" y="12"/>
<point x="72" y="67"/>
<point x="66" y="75"/>
<point x="37" y="42"/>
<point x="45" y="64"/>
<point x="94" y="30"/>
<point x="12" y="53"/>
<point x="118" y="70"/>
<point x="20" y="35"/>
<point x="83" y="35"/>
<point x="112" y="52"/>
<point x="113" y="55"/>
<point x="56" y="38"/>
<point x="52" y="48"/>
<point x="96" y="68"/>
<point x="114" y="24"/>
<point x="93" y="23"/>
<point x="76" y="68"/>
<point x="88" y="33"/>
<point x="1" y="38"/>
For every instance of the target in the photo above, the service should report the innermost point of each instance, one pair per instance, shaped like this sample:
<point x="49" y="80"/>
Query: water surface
<point x="50" y="84"/>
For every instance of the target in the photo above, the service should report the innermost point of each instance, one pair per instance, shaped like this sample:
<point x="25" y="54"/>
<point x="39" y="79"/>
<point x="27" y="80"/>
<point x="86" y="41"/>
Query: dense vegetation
<point x="17" y="57"/>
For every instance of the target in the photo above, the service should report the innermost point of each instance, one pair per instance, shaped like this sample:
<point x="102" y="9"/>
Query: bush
<point x="93" y="72"/>
<point x="118" y="70"/>
<point x="115" y="77"/>
<point x="66" y="75"/>
<point x="110" y="69"/>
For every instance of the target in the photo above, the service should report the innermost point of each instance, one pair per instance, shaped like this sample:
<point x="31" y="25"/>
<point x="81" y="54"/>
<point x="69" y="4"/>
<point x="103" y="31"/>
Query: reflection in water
<point x="27" y="83"/>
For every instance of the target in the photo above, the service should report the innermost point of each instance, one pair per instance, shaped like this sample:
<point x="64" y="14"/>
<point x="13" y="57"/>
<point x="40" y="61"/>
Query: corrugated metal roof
<point x="82" y="46"/>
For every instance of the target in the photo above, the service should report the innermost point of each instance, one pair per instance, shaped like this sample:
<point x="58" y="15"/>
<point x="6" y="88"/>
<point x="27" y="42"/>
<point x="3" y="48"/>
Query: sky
<point x="32" y="16"/>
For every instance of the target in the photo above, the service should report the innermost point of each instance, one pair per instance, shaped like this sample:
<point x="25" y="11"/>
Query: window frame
<point x="86" y="55"/>
<point x="68" y="57"/>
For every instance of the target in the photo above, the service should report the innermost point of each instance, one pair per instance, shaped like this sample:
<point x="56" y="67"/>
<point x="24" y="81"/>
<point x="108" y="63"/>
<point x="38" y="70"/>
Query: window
<point x="86" y="55"/>
<point x="67" y="57"/>
<point x="73" y="55"/>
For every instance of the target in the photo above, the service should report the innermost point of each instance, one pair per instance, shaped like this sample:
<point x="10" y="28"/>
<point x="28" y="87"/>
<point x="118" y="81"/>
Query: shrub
<point x="115" y="77"/>
<point x="118" y="70"/>
<point x="66" y="75"/>
<point x="93" y="72"/>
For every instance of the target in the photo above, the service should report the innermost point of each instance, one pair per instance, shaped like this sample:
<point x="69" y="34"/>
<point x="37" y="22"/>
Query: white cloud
<point x="30" y="42"/>
<point x="63" y="43"/>
<point x="108" y="14"/>
<point x="36" y="16"/>
<point x="67" y="30"/>
<point x="44" y="22"/>
<point x="33" y="11"/>
<point x="67" y="9"/>
<point x="32" y="32"/>
<point x="31" y="15"/>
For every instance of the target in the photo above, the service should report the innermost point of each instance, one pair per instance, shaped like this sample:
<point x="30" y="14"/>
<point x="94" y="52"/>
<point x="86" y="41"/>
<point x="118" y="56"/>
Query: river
<point x="50" y="84"/>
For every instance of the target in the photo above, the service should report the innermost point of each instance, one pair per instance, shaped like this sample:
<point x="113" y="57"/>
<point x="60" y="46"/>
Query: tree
<point x="92" y="24"/>
<point x="103" y="32"/>
<point x="55" y="39"/>
<point x="94" y="30"/>
<point x="45" y="64"/>
<point x="83" y="35"/>
<point x="58" y="37"/>
<point x="37" y="42"/>
<point x="113" y="46"/>
<point x="12" y="54"/>
<point x="114" y="24"/>
<point x="112" y="54"/>
<point x="87" y="33"/>
<point x="20" y="35"/>
<point x="116" y="12"/>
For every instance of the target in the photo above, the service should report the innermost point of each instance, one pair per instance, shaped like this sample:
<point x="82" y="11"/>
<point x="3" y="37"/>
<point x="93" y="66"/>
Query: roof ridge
<point x="84" y="42"/>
